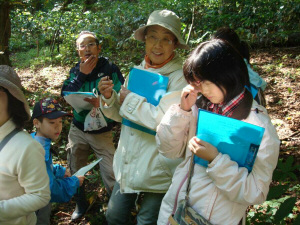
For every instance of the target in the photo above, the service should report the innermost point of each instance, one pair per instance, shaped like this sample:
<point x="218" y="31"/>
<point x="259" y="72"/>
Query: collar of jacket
<point x="172" y="66"/>
<point x="240" y="112"/>
<point x="45" y="142"/>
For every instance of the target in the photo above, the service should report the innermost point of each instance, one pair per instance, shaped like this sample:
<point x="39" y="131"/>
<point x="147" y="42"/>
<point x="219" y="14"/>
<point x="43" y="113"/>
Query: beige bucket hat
<point x="166" y="19"/>
<point x="10" y="80"/>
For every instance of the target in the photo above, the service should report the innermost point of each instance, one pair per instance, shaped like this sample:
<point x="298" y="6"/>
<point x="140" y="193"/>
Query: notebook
<point x="76" y="99"/>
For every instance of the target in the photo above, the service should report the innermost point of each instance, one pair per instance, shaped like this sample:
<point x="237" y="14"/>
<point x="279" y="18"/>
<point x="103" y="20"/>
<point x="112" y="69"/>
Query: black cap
<point x="49" y="108"/>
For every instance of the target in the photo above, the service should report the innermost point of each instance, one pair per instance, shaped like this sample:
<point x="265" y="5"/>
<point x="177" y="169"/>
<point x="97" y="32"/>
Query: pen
<point x="187" y="96"/>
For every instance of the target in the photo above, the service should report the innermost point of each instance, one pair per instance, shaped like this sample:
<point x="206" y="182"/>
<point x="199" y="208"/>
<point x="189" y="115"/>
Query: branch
<point x="192" y="25"/>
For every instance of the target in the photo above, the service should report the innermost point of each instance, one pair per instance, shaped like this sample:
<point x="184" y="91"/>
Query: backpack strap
<point x="8" y="137"/>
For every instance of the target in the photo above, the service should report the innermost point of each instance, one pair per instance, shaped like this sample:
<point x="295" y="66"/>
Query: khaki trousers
<point x="80" y="146"/>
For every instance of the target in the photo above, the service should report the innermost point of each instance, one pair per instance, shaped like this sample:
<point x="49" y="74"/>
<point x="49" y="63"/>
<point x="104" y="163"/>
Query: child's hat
<point x="49" y="108"/>
<point x="10" y="80"/>
<point x="166" y="19"/>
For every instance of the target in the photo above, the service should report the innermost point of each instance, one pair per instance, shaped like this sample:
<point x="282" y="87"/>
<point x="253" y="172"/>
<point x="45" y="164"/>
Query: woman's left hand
<point x="203" y="149"/>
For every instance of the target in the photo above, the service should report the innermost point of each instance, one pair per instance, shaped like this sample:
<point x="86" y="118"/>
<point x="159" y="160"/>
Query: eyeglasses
<point x="153" y="40"/>
<point x="89" y="45"/>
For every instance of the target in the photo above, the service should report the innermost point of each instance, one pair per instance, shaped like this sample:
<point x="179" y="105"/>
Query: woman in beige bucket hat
<point x="139" y="168"/>
<point x="166" y="19"/>
<point x="24" y="182"/>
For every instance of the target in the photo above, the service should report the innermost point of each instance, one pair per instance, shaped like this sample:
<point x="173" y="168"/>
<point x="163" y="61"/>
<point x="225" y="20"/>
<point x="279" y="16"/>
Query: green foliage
<point x="273" y="212"/>
<point x="297" y="220"/>
<point x="279" y="206"/>
<point x="284" y="209"/>
<point x="276" y="192"/>
<point x="286" y="170"/>
<point x="33" y="59"/>
<point x="55" y="25"/>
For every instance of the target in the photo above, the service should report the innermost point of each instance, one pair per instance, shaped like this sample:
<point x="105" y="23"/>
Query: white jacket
<point x="138" y="166"/>
<point x="24" y="182"/>
<point x="222" y="192"/>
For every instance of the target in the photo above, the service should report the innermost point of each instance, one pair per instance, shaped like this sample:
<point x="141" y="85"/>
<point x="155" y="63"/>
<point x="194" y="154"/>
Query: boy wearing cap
<point x="47" y="119"/>
<point x="138" y="166"/>
<point x="85" y="77"/>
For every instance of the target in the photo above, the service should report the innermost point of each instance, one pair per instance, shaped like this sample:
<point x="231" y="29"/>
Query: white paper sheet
<point x="85" y="169"/>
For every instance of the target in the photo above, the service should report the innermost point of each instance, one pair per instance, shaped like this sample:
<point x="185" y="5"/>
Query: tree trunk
<point x="5" y="31"/>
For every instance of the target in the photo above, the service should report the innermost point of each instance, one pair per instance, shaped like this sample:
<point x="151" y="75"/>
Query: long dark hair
<point x="16" y="110"/>
<point x="218" y="62"/>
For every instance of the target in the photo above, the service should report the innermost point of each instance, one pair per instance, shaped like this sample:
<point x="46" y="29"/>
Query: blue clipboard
<point x="152" y="86"/>
<point x="238" y="139"/>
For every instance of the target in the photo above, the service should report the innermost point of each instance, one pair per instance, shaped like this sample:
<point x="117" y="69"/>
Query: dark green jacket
<point x="78" y="81"/>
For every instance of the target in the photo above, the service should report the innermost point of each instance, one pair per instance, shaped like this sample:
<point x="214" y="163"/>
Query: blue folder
<point x="152" y="86"/>
<point x="238" y="139"/>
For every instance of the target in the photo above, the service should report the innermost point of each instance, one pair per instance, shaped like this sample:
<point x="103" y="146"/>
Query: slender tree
<point x="5" y="31"/>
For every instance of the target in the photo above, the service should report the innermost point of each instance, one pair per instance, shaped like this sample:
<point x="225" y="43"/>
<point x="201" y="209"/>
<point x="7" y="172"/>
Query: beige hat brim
<point x="15" y="91"/>
<point x="140" y="36"/>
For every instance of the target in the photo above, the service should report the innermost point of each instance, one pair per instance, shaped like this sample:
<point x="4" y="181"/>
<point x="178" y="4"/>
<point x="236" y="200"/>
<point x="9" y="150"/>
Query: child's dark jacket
<point x="78" y="81"/>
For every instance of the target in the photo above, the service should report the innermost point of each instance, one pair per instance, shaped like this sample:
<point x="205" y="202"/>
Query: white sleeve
<point x="236" y="183"/>
<point x="111" y="107"/>
<point x="173" y="132"/>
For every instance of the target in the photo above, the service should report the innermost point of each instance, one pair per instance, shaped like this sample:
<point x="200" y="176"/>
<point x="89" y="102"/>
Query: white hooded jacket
<point x="138" y="166"/>
<point x="223" y="191"/>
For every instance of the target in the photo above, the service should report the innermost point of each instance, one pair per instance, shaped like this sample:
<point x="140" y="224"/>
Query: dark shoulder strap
<point x="191" y="171"/>
<point x="8" y="137"/>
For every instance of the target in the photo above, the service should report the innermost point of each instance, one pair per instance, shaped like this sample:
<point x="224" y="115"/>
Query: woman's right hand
<point x="189" y="96"/>
<point x="203" y="149"/>
<point x="81" y="179"/>
<point x="105" y="87"/>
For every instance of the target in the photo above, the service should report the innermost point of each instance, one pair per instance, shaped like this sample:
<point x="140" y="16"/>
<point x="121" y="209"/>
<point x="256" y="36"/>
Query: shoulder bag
<point x="185" y="214"/>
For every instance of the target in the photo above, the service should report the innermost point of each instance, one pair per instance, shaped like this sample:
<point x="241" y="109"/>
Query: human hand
<point x="81" y="179"/>
<point x="94" y="101"/>
<point x="67" y="173"/>
<point x="105" y="87"/>
<point x="203" y="149"/>
<point x="87" y="66"/>
<point x="189" y="96"/>
<point x="123" y="93"/>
